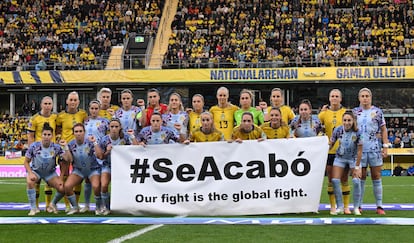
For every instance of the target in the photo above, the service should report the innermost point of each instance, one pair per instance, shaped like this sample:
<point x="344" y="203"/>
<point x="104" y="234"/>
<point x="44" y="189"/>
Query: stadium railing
<point x="141" y="61"/>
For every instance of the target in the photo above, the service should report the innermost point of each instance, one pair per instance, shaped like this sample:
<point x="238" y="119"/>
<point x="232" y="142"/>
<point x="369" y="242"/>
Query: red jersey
<point x="163" y="109"/>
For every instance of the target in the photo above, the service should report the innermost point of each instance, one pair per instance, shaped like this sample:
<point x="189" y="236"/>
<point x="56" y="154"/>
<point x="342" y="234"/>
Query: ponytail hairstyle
<point x="47" y="127"/>
<point x="354" y="124"/>
<point x="306" y="102"/>
<point x="156" y="113"/>
<point x="181" y="108"/>
<point x="121" y="132"/>
<point x="282" y="123"/>
<point x="299" y="121"/>
<point x="250" y="93"/>
<point x="249" y="114"/>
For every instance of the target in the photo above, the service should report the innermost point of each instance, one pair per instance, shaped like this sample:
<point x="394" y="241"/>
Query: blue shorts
<point x="106" y="169"/>
<point x="45" y="177"/>
<point x="86" y="174"/>
<point x="340" y="162"/>
<point x="372" y="159"/>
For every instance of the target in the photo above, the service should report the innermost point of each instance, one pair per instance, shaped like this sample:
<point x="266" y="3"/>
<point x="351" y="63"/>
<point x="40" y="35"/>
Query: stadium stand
<point x="60" y="31"/>
<point x="215" y="33"/>
<point x="13" y="133"/>
<point x="291" y="33"/>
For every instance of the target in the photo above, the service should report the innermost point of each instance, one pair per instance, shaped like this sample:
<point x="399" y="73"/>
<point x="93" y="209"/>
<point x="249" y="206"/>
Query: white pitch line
<point x="385" y="185"/>
<point x="136" y="233"/>
<point x="11" y="183"/>
<point x="139" y="232"/>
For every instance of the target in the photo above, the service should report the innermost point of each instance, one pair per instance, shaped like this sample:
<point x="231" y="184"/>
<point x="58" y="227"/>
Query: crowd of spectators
<point x="13" y="136"/>
<point x="69" y="34"/>
<point x="291" y="33"/>
<point x="400" y="132"/>
<point x="79" y="34"/>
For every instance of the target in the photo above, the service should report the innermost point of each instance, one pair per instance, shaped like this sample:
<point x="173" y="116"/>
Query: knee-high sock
<point x="31" y="195"/>
<point x="58" y="196"/>
<point x="338" y="192"/>
<point x="346" y="191"/>
<point x="66" y="200"/>
<point x="362" y="192"/>
<point x="37" y="191"/>
<point x="72" y="200"/>
<point x="48" y="194"/>
<point x="67" y="203"/>
<point x="77" y="190"/>
<point x="98" y="202"/>
<point x="87" y="191"/>
<point x="331" y="195"/>
<point x="356" y="191"/>
<point x="105" y="199"/>
<point x="377" y="186"/>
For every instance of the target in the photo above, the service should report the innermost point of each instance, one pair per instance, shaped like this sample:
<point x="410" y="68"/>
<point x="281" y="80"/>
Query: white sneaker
<point x="105" y="211"/>
<point x="98" y="212"/>
<point x="357" y="212"/>
<point x="72" y="211"/>
<point x="33" y="212"/>
<point x="52" y="208"/>
<point x="340" y="211"/>
<point x="84" y="209"/>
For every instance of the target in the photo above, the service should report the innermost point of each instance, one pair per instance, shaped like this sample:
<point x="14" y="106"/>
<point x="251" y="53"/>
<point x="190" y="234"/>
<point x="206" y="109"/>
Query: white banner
<point x="13" y="154"/>
<point x="219" y="178"/>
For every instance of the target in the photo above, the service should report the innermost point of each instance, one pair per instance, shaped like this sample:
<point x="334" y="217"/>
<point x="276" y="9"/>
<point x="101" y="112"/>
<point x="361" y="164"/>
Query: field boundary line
<point x="139" y="232"/>
<point x="136" y="233"/>
<point x="154" y="223"/>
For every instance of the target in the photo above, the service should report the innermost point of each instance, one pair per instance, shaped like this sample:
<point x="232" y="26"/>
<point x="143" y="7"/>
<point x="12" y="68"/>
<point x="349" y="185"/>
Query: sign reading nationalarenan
<point x="219" y="178"/>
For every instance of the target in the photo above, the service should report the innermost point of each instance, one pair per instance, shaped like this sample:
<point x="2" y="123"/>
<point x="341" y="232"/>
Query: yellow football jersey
<point x="287" y="113"/>
<point x="36" y="125"/>
<point x="224" y="119"/>
<point x="198" y="136"/>
<point x="256" y="133"/>
<point x="331" y="119"/>
<point x="67" y="120"/>
<point x="105" y="113"/>
<point x="194" y="121"/>
<point x="271" y="133"/>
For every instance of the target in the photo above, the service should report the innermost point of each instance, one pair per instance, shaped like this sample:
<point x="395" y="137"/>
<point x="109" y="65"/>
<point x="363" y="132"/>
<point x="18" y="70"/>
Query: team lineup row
<point x="85" y="141"/>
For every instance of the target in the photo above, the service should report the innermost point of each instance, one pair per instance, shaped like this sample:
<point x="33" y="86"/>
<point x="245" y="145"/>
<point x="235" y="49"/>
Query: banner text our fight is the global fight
<point x="219" y="178"/>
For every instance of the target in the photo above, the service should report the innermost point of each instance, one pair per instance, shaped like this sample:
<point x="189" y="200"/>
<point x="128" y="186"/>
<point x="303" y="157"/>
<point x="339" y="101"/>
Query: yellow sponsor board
<point x="212" y="75"/>
<point x="241" y="75"/>
<point x="401" y="151"/>
<point x="17" y="161"/>
<point x="136" y="76"/>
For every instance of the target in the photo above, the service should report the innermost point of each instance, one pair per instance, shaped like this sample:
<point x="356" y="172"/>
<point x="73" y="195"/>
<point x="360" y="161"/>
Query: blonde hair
<point x="365" y="89"/>
<point x="73" y="93"/>
<point x="198" y="95"/>
<point x="335" y="90"/>
<point x="105" y="90"/>
<point x="223" y="88"/>
<point x="181" y="101"/>
<point x="247" y="91"/>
